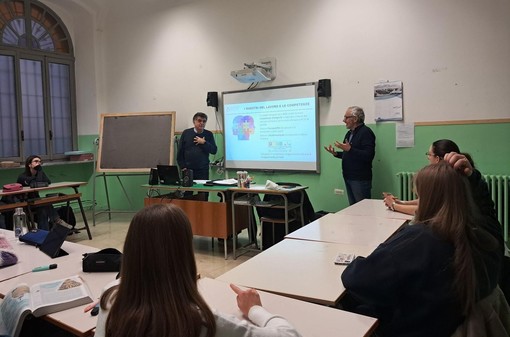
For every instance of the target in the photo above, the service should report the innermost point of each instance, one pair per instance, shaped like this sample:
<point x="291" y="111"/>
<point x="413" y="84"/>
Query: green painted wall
<point x="489" y="145"/>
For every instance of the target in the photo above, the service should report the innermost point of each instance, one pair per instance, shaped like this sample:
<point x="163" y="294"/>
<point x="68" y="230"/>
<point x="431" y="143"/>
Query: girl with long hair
<point x="157" y="293"/>
<point x="425" y="279"/>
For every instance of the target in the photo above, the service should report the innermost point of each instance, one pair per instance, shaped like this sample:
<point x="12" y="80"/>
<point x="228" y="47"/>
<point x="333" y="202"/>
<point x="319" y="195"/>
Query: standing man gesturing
<point x="358" y="151"/>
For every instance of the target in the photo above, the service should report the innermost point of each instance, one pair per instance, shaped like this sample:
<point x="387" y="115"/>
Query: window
<point x="37" y="92"/>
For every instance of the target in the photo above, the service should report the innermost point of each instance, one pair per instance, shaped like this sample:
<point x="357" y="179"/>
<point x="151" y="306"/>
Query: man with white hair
<point x="357" y="153"/>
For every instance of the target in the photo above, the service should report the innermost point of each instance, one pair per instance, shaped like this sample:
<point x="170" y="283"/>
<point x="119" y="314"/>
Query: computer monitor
<point x="169" y="175"/>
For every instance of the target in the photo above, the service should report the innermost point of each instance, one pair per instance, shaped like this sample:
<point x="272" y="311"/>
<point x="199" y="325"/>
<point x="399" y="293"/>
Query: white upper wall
<point x="453" y="56"/>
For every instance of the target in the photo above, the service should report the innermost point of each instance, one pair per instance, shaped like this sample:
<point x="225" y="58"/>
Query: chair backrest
<point x="293" y="197"/>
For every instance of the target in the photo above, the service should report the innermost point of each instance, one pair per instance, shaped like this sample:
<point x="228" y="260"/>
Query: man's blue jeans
<point x="358" y="190"/>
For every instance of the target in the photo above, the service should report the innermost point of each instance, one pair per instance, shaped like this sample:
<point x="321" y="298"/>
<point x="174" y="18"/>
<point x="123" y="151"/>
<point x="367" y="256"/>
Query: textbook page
<point x="13" y="310"/>
<point x="53" y="296"/>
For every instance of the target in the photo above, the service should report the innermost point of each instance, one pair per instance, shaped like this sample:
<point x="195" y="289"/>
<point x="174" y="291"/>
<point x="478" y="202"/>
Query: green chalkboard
<point x="135" y="142"/>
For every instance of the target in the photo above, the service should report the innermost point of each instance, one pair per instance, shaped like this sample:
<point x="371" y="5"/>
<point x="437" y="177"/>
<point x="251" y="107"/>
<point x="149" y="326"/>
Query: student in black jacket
<point x="358" y="151"/>
<point x="34" y="174"/>
<point x="426" y="279"/>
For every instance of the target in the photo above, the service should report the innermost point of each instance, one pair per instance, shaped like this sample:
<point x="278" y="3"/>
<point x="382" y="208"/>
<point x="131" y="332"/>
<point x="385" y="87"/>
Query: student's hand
<point x="246" y="299"/>
<point x="459" y="162"/>
<point x="344" y="146"/>
<point x="389" y="200"/>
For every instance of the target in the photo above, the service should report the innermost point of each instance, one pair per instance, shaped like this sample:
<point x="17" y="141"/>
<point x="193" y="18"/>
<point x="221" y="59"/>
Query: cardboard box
<point x="82" y="157"/>
<point x="9" y="164"/>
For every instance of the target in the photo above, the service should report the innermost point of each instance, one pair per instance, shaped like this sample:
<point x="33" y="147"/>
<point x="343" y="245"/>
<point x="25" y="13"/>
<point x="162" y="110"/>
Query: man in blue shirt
<point x="195" y="146"/>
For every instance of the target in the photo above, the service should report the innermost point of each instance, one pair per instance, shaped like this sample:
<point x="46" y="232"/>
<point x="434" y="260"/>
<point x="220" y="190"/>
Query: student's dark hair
<point x="28" y="161"/>
<point x="201" y="115"/>
<point x="444" y="146"/>
<point x="158" y="293"/>
<point x="447" y="207"/>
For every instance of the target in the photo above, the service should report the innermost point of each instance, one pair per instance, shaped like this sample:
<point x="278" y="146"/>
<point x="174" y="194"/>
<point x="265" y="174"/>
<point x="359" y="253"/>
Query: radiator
<point x="499" y="187"/>
<point x="405" y="185"/>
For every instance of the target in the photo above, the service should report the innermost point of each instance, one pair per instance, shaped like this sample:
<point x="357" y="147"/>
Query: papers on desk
<point x="224" y="182"/>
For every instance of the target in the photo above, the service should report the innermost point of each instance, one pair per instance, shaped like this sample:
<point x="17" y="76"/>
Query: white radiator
<point x="499" y="186"/>
<point x="405" y="186"/>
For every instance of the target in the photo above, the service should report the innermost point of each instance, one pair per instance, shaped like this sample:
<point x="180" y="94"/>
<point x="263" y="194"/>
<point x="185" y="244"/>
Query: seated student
<point x="427" y="278"/>
<point x="157" y="294"/>
<point x="34" y="173"/>
<point x="436" y="153"/>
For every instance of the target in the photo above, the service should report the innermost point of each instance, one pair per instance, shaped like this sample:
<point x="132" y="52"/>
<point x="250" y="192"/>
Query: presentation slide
<point x="272" y="128"/>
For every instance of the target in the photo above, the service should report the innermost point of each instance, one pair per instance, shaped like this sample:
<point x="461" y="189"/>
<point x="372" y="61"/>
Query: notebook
<point x="169" y="175"/>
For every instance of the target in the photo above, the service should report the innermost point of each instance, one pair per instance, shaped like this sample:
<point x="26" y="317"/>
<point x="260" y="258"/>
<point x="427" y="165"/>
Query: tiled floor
<point x="111" y="233"/>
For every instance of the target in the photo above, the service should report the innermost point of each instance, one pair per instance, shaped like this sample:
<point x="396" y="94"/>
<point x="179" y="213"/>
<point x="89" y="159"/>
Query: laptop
<point x="169" y="175"/>
<point x="49" y="242"/>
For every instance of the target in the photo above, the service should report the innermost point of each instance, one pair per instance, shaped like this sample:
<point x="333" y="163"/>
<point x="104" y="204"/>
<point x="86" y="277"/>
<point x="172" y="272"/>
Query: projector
<point x="251" y="75"/>
<point x="262" y="71"/>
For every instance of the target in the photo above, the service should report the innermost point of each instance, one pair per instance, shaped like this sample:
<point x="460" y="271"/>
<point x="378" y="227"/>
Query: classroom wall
<point x="452" y="56"/>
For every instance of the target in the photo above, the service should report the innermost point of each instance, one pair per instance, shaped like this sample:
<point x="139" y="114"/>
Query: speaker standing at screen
<point x="358" y="151"/>
<point x="195" y="146"/>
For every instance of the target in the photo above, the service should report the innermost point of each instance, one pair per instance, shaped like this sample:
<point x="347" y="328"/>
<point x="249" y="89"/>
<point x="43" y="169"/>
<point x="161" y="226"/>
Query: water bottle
<point x="20" y="222"/>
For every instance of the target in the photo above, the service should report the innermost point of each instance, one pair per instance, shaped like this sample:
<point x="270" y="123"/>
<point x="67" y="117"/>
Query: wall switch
<point x="338" y="191"/>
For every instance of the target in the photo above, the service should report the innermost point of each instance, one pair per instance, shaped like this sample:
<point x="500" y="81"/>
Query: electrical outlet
<point x="338" y="191"/>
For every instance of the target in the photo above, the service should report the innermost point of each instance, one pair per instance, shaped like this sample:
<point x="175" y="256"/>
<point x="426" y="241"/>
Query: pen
<point x="91" y="306"/>
<point x="41" y="268"/>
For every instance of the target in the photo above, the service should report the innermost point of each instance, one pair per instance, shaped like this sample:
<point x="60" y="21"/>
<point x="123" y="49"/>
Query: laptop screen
<point x="55" y="239"/>
<point x="169" y="175"/>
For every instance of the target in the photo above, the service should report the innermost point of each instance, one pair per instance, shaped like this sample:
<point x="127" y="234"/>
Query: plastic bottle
<point x="20" y="222"/>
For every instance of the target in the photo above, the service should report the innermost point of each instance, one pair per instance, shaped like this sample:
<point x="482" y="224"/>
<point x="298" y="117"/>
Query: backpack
<point x="66" y="213"/>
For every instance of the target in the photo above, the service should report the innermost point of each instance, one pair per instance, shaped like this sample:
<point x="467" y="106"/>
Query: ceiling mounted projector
<point x="262" y="71"/>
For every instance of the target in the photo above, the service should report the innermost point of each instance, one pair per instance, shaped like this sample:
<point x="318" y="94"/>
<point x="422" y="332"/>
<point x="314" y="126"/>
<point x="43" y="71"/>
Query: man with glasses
<point x="357" y="153"/>
<point x="195" y="146"/>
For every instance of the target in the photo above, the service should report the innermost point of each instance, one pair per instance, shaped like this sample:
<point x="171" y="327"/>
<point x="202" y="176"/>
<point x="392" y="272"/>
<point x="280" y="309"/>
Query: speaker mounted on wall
<point x="212" y="99"/>
<point x="324" y="88"/>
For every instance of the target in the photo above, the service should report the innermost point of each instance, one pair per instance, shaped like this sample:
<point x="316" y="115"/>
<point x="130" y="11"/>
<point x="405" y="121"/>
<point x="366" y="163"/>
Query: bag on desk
<point x="105" y="260"/>
<point x="12" y="187"/>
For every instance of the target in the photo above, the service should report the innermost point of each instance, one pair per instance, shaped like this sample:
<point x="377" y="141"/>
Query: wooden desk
<point x="261" y="189"/>
<point x="297" y="268"/>
<point x="309" y="319"/>
<point x="29" y="204"/>
<point x="208" y="218"/>
<point x="349" y="229"/>
<point x="374" y="207"/>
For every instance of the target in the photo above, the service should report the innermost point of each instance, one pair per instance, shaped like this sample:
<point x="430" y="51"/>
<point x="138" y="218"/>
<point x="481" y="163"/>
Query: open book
<point x="40" y="299"/>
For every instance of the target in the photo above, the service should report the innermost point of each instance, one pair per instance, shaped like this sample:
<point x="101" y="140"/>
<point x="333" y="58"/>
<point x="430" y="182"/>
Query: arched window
<point x="37" y="90"/>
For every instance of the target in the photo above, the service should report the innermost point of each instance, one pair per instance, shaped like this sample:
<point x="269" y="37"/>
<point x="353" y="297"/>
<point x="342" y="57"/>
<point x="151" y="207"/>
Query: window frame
<point x="46" y="58"/>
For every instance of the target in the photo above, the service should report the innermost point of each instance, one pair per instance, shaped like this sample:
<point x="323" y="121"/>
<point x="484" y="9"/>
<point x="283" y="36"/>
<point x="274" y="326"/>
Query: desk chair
<point x="268" y="214"/>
